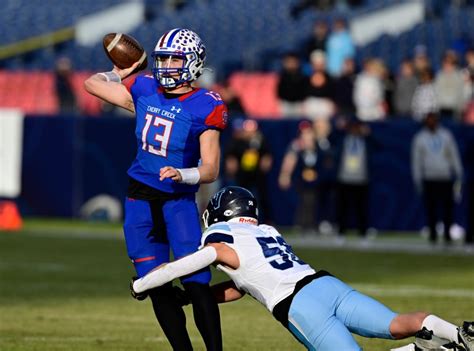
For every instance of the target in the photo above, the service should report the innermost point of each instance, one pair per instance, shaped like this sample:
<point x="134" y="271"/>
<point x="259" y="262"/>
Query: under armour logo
<point x="176" y="109"/>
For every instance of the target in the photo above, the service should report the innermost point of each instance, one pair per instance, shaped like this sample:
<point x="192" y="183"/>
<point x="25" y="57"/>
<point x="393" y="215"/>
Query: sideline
<point x="381" y="243"/>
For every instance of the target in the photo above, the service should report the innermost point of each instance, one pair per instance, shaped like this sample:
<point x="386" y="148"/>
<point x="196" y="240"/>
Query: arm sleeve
<point x="184" y="266"/>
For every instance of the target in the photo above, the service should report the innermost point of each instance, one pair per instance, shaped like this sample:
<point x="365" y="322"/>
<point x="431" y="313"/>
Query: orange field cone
<point x="10" y="218"/>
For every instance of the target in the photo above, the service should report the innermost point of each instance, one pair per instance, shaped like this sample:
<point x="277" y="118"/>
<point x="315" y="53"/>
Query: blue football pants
<point x="148" y="249"/>
<point x="326" y="311"/>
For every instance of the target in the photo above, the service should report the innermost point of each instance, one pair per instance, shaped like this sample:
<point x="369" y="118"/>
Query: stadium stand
<point x="245" y="40"/>
<point x="33" y="92"/>
<point x="257" y="93"/>
<point x="252" y="42"/>
<point x="23" y="18"/>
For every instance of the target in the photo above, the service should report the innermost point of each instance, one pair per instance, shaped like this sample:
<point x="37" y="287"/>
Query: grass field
<point x="65" y="287"/>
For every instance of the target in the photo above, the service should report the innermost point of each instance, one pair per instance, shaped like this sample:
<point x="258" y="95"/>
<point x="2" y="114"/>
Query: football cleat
<point x="466" y="336"/>
<point x="425" y="340"/>
<point x="452" y="346"/>
<point x="138" y="296"/>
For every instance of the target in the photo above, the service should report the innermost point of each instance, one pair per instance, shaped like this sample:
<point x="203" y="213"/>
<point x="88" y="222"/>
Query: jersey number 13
<point x="163" y="138"/>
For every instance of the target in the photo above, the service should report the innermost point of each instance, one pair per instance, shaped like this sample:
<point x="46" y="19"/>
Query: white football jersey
<point x="269" y="270"/>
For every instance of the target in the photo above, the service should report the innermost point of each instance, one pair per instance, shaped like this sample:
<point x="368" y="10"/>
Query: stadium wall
<point x="69" y="160"/>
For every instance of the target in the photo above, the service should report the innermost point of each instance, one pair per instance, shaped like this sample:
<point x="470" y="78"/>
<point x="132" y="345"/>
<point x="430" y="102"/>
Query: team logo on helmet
<point x="230" y="203"/>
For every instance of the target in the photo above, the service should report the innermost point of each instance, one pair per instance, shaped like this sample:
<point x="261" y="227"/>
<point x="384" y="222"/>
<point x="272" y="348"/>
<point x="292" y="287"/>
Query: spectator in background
<point x="424" y="99"/>
<point x="318" y="39"/>
<point x="468" y="73"/>
<point x="353" y="178"/>
<point x="248" y="160"/>
<point x="437" y="172"/>
<point x="388" y="81"/>
<point x="469" y="68"/>
<point x="64" y="88"/>
<point x="291" y="86"/>
<point x="449" y="87"/>
<point x="327" y="169"/>
<point x="405" y="86"/>
<point x="339" y="47"/>
<point x="344" y="89"/>
<point x="232" y="100"/>
<point x="319" y="90"/>
<point x="369" y="91"/>
<point x="421" y="61"/>
<point x="300" y="168"/>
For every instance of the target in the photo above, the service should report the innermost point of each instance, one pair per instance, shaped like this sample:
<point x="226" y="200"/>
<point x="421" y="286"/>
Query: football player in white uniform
<point x="320" y="310"/>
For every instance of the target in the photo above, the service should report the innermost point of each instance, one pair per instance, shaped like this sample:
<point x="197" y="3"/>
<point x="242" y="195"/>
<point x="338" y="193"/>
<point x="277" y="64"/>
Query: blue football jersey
<point x="168" y="130"/>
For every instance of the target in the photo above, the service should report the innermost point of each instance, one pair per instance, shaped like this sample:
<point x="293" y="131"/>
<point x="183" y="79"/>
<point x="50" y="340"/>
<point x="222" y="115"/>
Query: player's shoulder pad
<point x="209" y="105"/>
<point x="141" y="84"/>
<point x="218" y="233"/>
<point x="269" y="229"/>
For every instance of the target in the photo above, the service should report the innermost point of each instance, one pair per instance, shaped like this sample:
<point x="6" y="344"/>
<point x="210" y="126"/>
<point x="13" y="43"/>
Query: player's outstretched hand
<point x="170" y="172"/>
<point x="139" y="296"/>
<point x="124" y="73"/>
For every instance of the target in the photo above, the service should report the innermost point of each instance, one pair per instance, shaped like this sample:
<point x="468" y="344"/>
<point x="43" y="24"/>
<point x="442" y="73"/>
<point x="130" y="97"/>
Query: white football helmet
<point x="182" y="43"/>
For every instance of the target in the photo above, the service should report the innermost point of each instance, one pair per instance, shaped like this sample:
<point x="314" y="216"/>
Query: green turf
<point x="64" y="286"/>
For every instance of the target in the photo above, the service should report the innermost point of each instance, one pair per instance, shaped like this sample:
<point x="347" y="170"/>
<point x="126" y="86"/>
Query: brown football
<point x="124" y="50"/>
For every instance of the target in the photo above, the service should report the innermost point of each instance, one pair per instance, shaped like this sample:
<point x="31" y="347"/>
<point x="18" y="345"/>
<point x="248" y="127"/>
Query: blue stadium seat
<point x="239" y="34"/>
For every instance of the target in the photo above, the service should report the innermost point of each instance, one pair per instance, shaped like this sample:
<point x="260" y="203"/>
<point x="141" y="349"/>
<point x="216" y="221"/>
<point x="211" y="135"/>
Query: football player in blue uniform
<point x="177" y="131"/>
<point x="320" y="310"/>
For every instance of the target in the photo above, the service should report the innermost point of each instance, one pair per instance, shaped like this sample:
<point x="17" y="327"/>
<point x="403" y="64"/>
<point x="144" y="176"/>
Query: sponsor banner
<point x="11" y="141"/>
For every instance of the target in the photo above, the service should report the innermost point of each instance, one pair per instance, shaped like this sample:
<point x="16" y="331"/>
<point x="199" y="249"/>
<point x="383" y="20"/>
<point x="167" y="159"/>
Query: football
<point x="124" y="50"/>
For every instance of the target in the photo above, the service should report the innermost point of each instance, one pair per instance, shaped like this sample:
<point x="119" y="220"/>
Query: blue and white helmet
<point x="182" y="43"/>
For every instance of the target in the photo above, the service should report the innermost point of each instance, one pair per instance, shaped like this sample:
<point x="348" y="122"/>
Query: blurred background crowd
<point x="343" y="113"/>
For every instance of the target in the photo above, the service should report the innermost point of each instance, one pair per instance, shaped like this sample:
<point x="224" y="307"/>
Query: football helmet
<point x="178" y="43"/>
<point x="232" y="202"/>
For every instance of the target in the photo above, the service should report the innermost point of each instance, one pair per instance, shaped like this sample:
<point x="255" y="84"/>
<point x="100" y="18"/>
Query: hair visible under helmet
<point x="184" y="44"/>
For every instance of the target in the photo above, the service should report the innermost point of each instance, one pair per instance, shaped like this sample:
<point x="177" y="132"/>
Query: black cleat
<point x="425" y="340"/>
<point x="138" y="296"/>
<point x="466" y="336"/>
